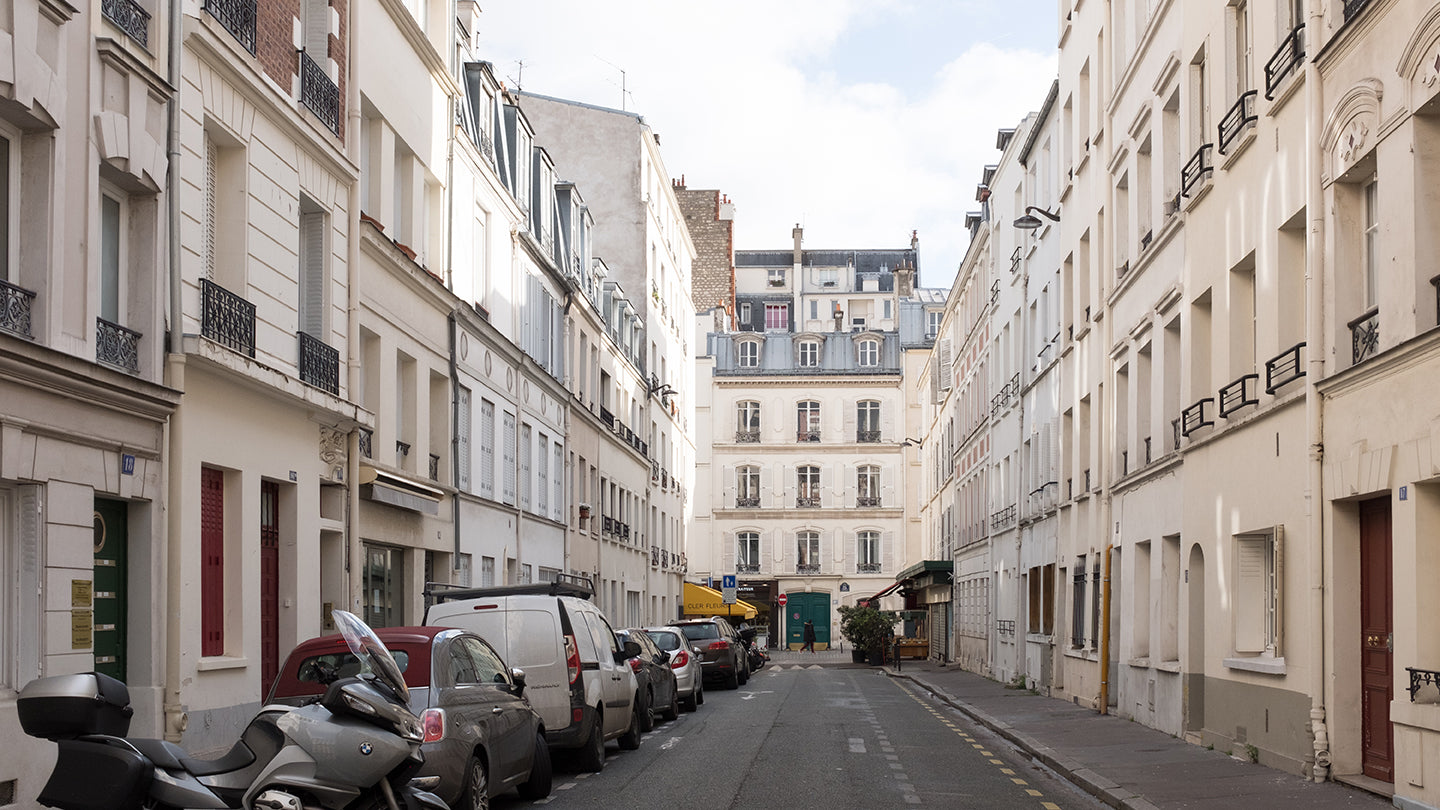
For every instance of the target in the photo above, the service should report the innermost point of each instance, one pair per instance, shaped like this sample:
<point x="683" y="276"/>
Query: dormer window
<point x="808" y="354"/>
<point x="777" y="277"/>
<point x="748" y="353"/>
<point x="868" y="353"/>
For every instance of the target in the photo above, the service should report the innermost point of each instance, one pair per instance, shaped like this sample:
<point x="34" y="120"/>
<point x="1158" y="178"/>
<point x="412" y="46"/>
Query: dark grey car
<point x="659" y="692"/>
<point x="722" y="655"/>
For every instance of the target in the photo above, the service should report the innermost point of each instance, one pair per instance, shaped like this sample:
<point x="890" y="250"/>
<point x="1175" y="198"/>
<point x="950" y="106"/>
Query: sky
<point x="860" y="120"/>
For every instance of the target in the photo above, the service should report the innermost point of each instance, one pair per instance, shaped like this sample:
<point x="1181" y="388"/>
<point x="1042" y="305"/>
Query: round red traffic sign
<point x="782" y="600"/>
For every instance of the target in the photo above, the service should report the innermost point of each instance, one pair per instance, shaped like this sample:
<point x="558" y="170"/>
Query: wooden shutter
<point x="312" y="274"/>
<point x="212" y="160"/>
<point x="462" y="438"/>
<point x="317" y="30"/>
<point x="212" y="562"/>
<point x="1277" y="588"/>
<point x="1251" y="603"/>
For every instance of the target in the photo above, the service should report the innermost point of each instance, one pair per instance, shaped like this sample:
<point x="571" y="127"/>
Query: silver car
<point x="685" y="662"/>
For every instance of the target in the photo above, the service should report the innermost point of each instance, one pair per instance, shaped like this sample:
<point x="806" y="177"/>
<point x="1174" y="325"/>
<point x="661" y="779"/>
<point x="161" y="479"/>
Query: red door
<point x="212" y="561"/>
<point x="1376" y="626"/>
<point x="269" y="585"/>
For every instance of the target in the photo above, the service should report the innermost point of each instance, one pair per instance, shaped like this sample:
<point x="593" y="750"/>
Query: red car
<point x="482" y="738"/>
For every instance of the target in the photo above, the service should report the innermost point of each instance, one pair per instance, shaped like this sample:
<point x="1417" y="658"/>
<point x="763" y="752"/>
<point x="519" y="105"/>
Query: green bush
<point x="867" y="628"/>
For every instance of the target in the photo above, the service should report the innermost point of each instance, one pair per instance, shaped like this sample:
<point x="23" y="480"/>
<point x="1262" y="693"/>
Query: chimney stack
<point x="799" y="234"/>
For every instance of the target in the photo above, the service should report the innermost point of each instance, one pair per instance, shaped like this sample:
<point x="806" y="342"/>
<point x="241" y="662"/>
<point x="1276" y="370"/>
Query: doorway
<point x="109" y="598"/>
<point x="1377" y="755"/>
<point x="801" y="607"/>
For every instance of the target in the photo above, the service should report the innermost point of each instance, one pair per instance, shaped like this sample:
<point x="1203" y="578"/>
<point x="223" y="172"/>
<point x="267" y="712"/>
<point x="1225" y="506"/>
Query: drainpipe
<point x="353" y="126"/>
<point x="1314" y="404"/>
<point x="174" y="712"/>
<point x="454" y="442"/>
<point x="1105" y="636"/>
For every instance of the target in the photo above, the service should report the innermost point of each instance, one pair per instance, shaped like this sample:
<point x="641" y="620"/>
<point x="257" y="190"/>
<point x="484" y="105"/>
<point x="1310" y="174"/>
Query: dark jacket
<point x="809" y="633"/>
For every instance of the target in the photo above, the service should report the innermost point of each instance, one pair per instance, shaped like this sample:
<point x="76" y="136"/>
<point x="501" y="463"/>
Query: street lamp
<point x="1029" y="222"/>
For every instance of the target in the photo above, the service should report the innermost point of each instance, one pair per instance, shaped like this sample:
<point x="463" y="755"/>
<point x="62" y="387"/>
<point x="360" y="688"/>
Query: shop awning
<point x="703" y="601"/>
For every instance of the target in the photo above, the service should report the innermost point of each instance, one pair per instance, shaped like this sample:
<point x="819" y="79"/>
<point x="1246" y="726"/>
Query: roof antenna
<point x="623" y="92"/>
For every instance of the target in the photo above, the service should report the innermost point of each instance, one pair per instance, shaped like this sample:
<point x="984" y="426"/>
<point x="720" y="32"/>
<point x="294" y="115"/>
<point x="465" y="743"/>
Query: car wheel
<point x="630" y="740"/>
<point x="476" y="795"/>
<point x="591" y="757"/>
<point x="744" y="673"/>
<point x="673" y="711"/>
<point x="699" y="693"/>
<point x="647" y="714"/>
<point x="692" y="702"/>
<point x="732" y="681"/>
<point x="538" y="785"/>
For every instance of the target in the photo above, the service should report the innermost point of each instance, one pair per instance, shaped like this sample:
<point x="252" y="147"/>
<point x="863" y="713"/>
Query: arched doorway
<point x="1195" y="641"/>
<point x="801" y="607"/>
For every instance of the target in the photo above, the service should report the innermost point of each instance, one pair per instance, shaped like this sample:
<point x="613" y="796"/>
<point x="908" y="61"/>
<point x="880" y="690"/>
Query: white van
<point x="576" y="671"/>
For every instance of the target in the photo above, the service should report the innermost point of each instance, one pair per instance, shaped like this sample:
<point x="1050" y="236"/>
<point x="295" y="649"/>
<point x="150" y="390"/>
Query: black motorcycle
<point x="756" y="656"/>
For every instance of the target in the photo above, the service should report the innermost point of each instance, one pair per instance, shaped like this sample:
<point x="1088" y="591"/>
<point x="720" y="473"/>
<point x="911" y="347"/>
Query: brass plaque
<point x="81" y="622"/>
<point x="80" y="596"/>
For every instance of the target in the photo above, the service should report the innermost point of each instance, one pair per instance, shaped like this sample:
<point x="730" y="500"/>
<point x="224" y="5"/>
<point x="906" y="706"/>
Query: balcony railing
<point x="1287" y="59"/>
<point x="1419" y="678"/>
<point x="1240" y="116"/>
<point x="117" y="346"/>
<point x="867" y="501"/>
<point x="807" y="569"/>
<point x="402" y="452"/>
<point x="319" y="94"/>
<point x="238" y="17"/>
<point x="1365" y="336"/>
<point x="319" y="364"/>
<point x="1284" y="368"/>
<point x="747" y="437"/>
<point x="1238" y="394"/>
<point x="867" y="435"/>
<point x="1194" y="417"/>
<point x="1353" y="8"/>
<point x="747" y="568"/>
<point x="607" y="525"/>
<point x="747" y="503"/>
<point x="1004" y="517"/>
<point x="15" y="305"/>
<point x="807" y="436"/>
<point x="129" y="17"/>
<point x="807" y="502"/>
<point x="867" y="568"/>
<point x="226" y="318"/>
<point x="434" y="469"/>
<point x="365" y="444"/>
<point x="1175" y="432"/>
<point x="607" y="417"/>
<point x="1005" y="627"/>
<point x="1197" y="169"/>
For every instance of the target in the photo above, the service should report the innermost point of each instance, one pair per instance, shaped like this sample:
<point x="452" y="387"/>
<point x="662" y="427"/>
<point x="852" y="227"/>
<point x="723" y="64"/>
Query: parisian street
<point x="806" y="735"/>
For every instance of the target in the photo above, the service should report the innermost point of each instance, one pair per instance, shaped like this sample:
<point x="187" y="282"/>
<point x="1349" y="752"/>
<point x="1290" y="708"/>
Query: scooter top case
<point x="63" y="707"/>
<point x="97" y="771"/>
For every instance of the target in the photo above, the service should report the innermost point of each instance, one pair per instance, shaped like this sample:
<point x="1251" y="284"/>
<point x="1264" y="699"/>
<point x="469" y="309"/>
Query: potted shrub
<point x="868" y="630"/>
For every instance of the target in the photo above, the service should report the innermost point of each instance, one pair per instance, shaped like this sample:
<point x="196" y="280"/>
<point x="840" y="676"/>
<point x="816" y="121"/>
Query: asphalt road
<point x="833" y="737"/>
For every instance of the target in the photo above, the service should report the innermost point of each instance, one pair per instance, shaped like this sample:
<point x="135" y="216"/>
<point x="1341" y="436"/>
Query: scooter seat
<point x="172" y="757"/>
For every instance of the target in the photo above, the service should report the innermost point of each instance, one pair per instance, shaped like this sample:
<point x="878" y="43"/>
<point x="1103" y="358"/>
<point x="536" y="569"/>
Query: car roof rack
<point x="563" y="585"/>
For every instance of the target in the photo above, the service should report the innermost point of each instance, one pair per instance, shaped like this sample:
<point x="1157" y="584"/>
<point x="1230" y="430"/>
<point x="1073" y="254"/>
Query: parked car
<point x="575" y="666"/>
<point x="654" y="677"/>
<point x="722" y="655"/>
<point x="482" y="738"/>
<point x="684" y="661"/>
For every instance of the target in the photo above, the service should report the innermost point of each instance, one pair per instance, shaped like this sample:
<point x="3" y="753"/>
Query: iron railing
<point x="807" y="502"/>
<point x="1176" y="432"/>
<point x="434" y="467"/>
<point x="607" y="525"/>
<point x="15" y="307"/>
<point x="226" y="318"/>
<point x="365" y="444"/>
<point x="1286" y="60"/>
<point x="867" y="435"/>
<point x="1365" y="336"/>
<point x="807" y="569"/>
<point x="319" y="94"/>
<point x="1005" y="627"/>
<point x="1419" y="678"/>
<point x="130" y="17"/>
<point x="807" y="436"/>
<point x="117" y="346"/>
<point x="747" y="568"/>
<point x="747" y="437"/>
<point x="1148" y="443"/>
<point x="1238" y="394"/>
<point x="871" y="501"/>
<point x="319" y="364"/>
<point x="747" y="503"/>
<point x="238" y="17"/>
<point x="1194" y="417"/>
<point x="1284" y="368"/>
<point x="487" y="148"/>
<point x="867" y="568"/>
<point x="1240" y="115"/>
<point x="1002" y="518"/>
<point x="402" y="451"/>
<point x="1196" y="169"/>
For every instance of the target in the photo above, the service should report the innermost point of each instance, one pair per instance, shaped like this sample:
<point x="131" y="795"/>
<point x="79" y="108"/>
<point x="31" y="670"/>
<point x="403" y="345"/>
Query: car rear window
<point x="665" y="640"/>
<point x="698" y="632"/>
<point x="303" y="677"/>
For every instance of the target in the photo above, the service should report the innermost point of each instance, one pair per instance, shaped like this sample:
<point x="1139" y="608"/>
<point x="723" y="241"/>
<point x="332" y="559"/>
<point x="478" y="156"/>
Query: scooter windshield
<point x="371" y="652"/>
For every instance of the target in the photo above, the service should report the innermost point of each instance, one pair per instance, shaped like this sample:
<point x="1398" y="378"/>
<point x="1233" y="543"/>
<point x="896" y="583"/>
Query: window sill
<point x="1265" y="665"/>
<point x="220" y="662"/>
<point x="1082" y="653"/>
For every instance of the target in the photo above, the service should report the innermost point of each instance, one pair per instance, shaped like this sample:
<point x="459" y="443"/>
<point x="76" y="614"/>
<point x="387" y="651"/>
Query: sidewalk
<point x="1123" y="763"/>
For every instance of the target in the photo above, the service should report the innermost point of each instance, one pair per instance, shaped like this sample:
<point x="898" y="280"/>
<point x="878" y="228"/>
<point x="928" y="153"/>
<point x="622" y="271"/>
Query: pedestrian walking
<point x="809" y="637"/>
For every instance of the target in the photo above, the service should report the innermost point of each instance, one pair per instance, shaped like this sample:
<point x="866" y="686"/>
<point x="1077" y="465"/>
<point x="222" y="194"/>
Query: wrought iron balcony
<point x="1148" y="442"/>
<point x="226" y="318"/>
<point x="1353" y="8"/>
<point x="1240" y="116"/>
<point x="867" y="568"/>
<point x="1287" y="59"/>
<point x="117" y="346"/>
<point x="864" y="501"/>
<point x="747" y="568"/>
<point x="1421" y="677"/>
<point x="1365" y="336"/>
<point x="130" y="17"/>
<point x="867" y="435"/>
<point x="747" y="503"/>
<point x="434" y="467"/>
<point x="807" y="569"/>
<point x="1194" y="417"/>
<point x="319" y="94"/>
<point x="1197" y="169"/>
<point x="654" y="556"/>
<point x="807" y="436"/>
<point x="238" y="17"/>
<point x="1176" y="432"/>
<point x="1005" y="627"/>
<point x="402" y="451"/>
<point x="365" y="444"/>
<point x="607" y="525"/>
<point x="1284" y="368"/>
<point x="319" y="364"/>
<point x="807" y="502"/>
<point x="1238" y="394"/>
<point x="15" y="305"/>
<point x="625" y="531"/>
<point x="747" y="437"/>
<point x="1006" y="516"/>
<point x="607" y="417"/>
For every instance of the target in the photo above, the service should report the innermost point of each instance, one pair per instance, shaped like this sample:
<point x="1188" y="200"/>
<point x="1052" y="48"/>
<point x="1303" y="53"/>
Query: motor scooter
<point x="357" y="748"/>
<point x="756" y="656"/>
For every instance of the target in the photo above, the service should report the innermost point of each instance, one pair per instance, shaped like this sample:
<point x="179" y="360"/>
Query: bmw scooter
<point x="357" y="748"/>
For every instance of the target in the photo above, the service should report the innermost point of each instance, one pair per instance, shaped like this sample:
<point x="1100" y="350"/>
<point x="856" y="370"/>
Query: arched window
<point x="747" y="422"/>
<point x="869" y="353"/>
<point x="807" y="421"/>
<point x="749" y="353"/>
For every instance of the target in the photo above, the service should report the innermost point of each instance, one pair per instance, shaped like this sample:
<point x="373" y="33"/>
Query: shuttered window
<point x="212" y="562"/>
<point x="525" y="480"/>
<point x="462" y="438"/>
<point x="312" y="271"/>
<point x="508" y="459"/>
<point x="1258" y="574"/>
<point x="212" y="168"/>
<point x="487" y="448"/>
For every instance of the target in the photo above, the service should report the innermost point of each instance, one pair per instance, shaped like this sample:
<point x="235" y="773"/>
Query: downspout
<point x="1105" y="636"/>
<point x="450" y="285"/>
<point x="175" y="718"/>
<point x="1314" y="404"/>
<point x="353" y="128"/>
<point x="455" y="441"/>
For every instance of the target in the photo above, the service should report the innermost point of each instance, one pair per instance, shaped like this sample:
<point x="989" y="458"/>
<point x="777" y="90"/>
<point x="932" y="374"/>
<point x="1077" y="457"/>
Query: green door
<point x="108" y="590"/>
<point x="800" y="607"/>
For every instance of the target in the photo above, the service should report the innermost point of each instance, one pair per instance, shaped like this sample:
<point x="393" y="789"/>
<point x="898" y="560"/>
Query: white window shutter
<point x="212" y="160"/>
<point x="1277" y="589"/>
<point x="462" y="439"/>
<point x="838" y="544"/>
<point x="1251" y="604"/>
<point x="887" y="552"/>
<point x="850" y="421"/>
<point x="727" y="552"/>
<point x="730" y="475"/>
<point x="317" y="30"/>
<point x="312" y="274"/>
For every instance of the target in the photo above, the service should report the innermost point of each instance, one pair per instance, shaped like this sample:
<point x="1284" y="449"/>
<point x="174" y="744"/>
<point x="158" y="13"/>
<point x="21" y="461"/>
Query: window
<point x="508" y="458"/>
<point x="747" y="421"/>
<point x="777" y="277"/>
<point x="869" y="353"/>
<point x="1258" y="606"/>
<point x="829" y="277"/>
<point x="747" y="552"/>
<point x="777" y="317"/>
<point x="543" y="470"/>
<point x="814" y="309"/>
<point x="384" y="586"/>
<point x="559" y="481"/>
<point x="867" y="485"/>
<point x="1077" y="604"/>
<point x="807" y="486"/>
<point x="212" y="561"/>
<point x="744" y="312"/>
<point x="487" y="448"/>
<point x="114" y="216"/>
<point x="487" y="572"/>
<point x="867" y="552"/>
<point x="749" y="351"/>
<point x="1371" y="224"/>
<point x="809" y="353"/>
<point x="311" y="275"/>
<point x="807" y="421"/>
<point x="9" y="206"/>
<point x="747" y="487"/>
<point x="1041" y="581"/>
<point x="933" y="318"/>
<point x="867" y="421"/>
<point x="525" y="482"/>
<point x="462" y="437"/>
<point x="807" y="552"/>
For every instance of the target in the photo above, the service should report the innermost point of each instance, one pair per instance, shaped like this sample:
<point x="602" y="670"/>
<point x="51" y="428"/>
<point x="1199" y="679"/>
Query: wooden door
<point x="1376" y="641"/>
<point x="269" y="585"/>
<point x="800" y="607"/>
<point x="108" y="589"/>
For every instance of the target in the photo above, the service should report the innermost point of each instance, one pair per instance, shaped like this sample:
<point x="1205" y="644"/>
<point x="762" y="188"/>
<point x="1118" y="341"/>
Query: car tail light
<point x="722" y="644"/>
<point x="433" y="724"/>
<point x="680" y="660"/>
<point x="572" y="658"/>
<point x="635" y="665"/>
